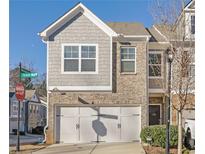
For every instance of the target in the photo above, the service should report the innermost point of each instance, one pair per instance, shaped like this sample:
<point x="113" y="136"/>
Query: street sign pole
<point x="18" y="119"/>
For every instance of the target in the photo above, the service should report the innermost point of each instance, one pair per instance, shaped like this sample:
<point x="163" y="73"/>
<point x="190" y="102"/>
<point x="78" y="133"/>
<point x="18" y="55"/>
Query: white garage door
<point x="91" y="124"/>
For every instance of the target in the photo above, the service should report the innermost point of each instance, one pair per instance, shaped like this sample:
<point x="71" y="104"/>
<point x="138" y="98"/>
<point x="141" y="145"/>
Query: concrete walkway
<point x="100" y="148"/>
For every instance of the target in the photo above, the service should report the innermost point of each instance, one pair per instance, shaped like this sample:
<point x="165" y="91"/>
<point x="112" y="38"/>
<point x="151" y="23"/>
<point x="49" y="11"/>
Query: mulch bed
<point x="157" y="150"/>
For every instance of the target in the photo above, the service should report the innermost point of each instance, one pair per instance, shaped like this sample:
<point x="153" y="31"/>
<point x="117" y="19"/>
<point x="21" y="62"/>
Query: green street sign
<point x="29" y="75"/>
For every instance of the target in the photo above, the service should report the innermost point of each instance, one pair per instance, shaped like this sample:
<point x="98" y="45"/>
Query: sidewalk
<point x="27" y="149"/>
<point x="25" y="139"/>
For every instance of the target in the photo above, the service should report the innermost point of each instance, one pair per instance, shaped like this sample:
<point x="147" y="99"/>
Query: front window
<point x="88" y="60"/>
<point x="155" y="65"/>
<point x="193" y="24"/>
<point x="80" y="58"/>
<point x="128" y="60"/>
<point x="71" y="58"/>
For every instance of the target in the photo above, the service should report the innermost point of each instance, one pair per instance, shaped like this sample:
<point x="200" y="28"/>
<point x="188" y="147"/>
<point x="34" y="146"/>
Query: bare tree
<point x="14" y="74"/>
<point x="174" y="23"/>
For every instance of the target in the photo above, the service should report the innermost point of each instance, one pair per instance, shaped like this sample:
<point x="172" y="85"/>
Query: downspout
<point x="147" y="76"/>
<point x="47" y="45"/>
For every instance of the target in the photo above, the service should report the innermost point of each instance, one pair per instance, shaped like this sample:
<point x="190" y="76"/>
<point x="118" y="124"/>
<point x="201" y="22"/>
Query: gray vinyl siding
<point x="79" y="30"/>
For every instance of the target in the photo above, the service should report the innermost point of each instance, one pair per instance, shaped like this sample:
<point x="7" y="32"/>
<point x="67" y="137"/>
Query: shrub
<point x="157" y="133"/>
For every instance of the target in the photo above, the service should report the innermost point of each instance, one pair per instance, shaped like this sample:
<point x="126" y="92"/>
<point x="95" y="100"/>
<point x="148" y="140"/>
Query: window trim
<point x="80" y="58"/>
<point x="135" y="61"/>
<point x="162" y="63"/>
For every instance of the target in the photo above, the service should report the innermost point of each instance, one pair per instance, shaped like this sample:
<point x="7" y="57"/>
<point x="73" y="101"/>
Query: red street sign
<point x="20" y="91"/>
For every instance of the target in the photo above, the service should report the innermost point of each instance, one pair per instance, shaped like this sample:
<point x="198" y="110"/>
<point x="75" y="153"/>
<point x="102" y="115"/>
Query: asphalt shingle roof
<point x="128" y="28"/>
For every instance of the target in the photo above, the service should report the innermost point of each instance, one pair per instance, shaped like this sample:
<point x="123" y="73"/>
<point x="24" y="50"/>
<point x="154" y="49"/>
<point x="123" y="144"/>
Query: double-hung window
<point x="71" y="58"/>
<point x="155" y="64"/>
<point x="88" y="58"/>
<point x="193" y="24"/>
<point x="80" y="58"/>
<point x="128" y="59"/>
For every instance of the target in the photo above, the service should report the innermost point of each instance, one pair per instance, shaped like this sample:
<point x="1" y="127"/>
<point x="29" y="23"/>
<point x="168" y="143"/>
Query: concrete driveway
<point x="95" y="148"/>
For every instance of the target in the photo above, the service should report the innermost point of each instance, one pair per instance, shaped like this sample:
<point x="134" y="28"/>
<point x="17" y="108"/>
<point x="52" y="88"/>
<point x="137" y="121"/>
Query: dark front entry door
<point x="154" y="114"/>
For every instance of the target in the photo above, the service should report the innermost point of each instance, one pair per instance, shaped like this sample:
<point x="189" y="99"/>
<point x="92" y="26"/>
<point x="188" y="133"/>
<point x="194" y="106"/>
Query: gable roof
<point x="156" y="35"/>
<point x="128" y="28"/>
<point x="78" y="8"/>
<point x="166" y="31"/>
<point x="190" y="5"/>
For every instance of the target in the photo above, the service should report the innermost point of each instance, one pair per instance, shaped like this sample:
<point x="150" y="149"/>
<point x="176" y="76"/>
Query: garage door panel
<point x="130" y="128"/>
<point x="87" y="132"/>
<point x="111" y="127"/>
<point x="109" y="116"/>
<point x="69" y="132"/>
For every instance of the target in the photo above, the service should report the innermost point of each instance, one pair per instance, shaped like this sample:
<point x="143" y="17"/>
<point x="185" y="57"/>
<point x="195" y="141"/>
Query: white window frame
<point x="80" y="58"/>
<point x="128" y="60"/>
<point x="162" y="60"/>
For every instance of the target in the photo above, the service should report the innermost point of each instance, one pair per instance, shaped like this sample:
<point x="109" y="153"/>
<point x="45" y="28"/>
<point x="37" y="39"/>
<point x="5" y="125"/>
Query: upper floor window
<point x="191" y="70"/>
<point x="80" y="58"/>
<point x="14" y="110"/>
<point x="193" y="24"/>
<point x="155" y="64"/>
<point x="128" y="59"/>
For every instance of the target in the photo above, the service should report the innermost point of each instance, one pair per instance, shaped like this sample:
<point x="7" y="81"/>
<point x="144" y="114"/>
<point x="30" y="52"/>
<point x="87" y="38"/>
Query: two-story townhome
<point x="97" y="78"/>
<point x="185" y="31"/>
<point x="157" y="76"/>
<point x="105" y="81"/>
<point x="182" y="36"/>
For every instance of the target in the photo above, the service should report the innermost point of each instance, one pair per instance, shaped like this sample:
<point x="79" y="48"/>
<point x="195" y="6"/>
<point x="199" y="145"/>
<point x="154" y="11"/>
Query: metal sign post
<point x="20" y="95"/>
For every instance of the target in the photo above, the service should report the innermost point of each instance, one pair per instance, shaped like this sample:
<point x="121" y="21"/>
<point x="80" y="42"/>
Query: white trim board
<point x="80" y="88"/>
<point x="79" y="8"/>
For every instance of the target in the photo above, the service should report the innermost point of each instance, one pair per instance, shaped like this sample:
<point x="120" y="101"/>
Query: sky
<point x="28" y="17"/>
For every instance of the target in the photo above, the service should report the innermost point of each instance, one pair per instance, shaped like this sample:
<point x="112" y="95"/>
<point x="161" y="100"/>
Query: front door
<point x="154" y="115"/>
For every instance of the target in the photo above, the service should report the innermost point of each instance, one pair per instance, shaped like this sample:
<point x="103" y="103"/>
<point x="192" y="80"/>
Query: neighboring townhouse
<point x="36" y="111"/>
<point x="182" y="36"/>
<point x="33" y="112"/>
<point x="13" y="114"/>
<point x="185" y="28"/>
<point x="97" y="78"/>
<point x="157" y="76"/>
